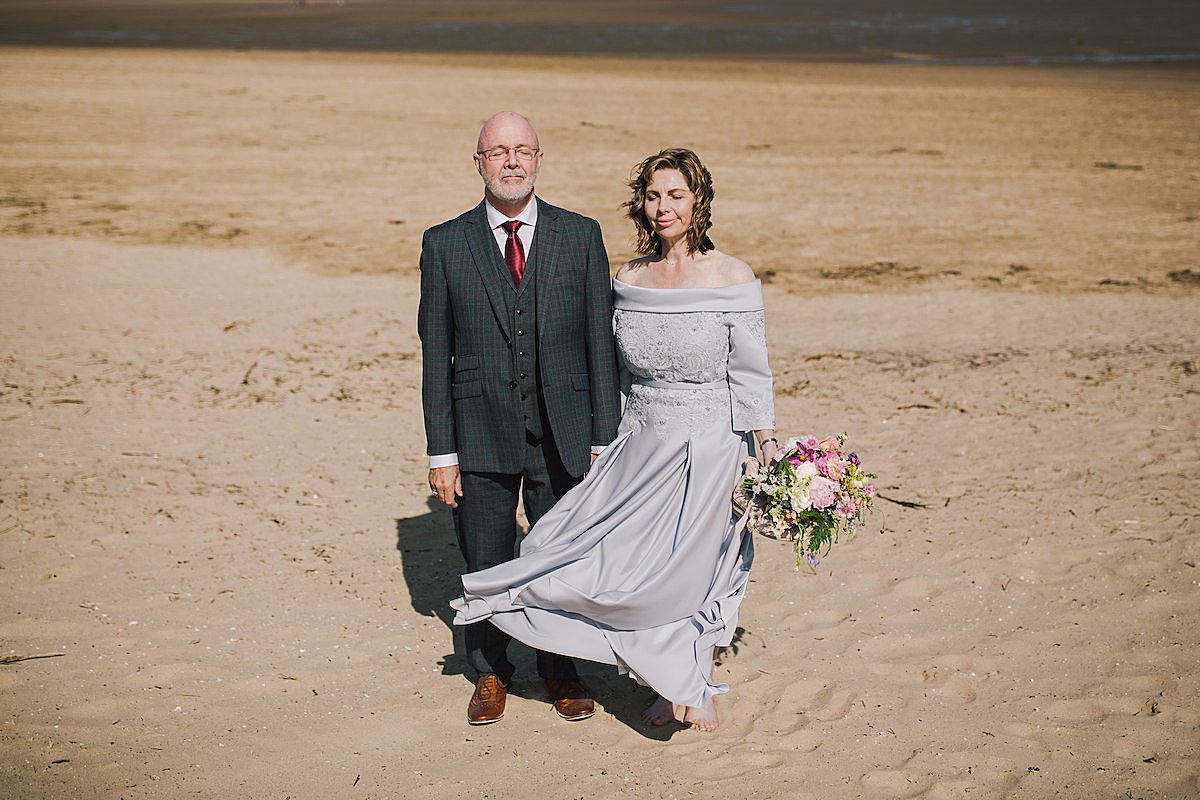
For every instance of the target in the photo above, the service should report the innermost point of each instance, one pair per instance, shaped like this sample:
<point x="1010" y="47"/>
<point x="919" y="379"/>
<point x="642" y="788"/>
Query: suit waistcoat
<point x="521" y="305"/>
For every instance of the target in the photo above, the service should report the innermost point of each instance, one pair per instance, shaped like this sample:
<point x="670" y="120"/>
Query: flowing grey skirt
<point x="640" y="565"/>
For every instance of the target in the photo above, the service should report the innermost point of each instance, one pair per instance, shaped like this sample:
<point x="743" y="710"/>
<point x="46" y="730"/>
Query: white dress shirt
<point x="528" y="220"/>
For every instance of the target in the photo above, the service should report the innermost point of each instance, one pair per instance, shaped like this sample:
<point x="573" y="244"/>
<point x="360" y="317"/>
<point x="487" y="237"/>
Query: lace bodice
<point x="694" y="336"/>
<point x="691" y="346"/>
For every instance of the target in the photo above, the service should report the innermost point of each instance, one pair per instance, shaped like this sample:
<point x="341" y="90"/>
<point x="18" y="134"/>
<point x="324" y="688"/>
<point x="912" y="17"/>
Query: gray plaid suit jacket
<point x="468" y="389"/>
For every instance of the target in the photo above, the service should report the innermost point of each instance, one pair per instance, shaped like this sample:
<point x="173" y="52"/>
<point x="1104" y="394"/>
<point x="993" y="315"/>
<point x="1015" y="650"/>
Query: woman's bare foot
<point x="702" y="719"/>
<point x="660" y="712"/>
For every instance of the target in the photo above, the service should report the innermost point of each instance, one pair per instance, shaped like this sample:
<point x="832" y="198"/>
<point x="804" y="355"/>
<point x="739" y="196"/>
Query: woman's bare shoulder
<point x="726" y="270"/>
<point x="633" y="270"/>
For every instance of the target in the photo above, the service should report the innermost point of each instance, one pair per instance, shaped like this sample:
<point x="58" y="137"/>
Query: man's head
<point x="508" y="157"/>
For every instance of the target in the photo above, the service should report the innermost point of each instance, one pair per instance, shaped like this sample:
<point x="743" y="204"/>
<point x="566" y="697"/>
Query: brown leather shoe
<point x="571" y="701"/>
<point x="487" y="702"/>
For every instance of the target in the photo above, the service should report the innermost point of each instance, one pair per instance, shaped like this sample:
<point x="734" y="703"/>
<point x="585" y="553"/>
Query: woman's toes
<point x="702" y="719"/>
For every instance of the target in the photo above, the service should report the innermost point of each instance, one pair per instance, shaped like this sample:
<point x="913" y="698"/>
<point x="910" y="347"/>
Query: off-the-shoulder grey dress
<point x="641" y="565"/>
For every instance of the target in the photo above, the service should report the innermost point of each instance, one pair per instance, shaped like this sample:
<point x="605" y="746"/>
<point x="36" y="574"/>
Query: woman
<point x="641" y="565"/>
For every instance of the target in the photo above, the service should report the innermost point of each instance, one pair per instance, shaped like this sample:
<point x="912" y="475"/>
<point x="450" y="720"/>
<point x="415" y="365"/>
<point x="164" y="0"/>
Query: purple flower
<point x="805" y="453"/>
<point x="853" y="457"/>
<point x="812" y="560"/>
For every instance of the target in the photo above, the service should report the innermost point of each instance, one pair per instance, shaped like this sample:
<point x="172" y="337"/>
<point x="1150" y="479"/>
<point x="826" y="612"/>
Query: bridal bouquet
<point x="810" y="492"/>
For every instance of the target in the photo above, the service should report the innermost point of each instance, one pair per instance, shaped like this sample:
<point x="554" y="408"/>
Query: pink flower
<point x="869" y="490"/>
<point x="822" y="492"/>
<point x="828" y="443"/>
<point x="808" y="440"/>
<point x="831" y="467"/>
<point x="845" y="508"/>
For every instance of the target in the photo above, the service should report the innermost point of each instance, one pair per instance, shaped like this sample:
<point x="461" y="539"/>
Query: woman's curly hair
<point x="699" y="182"/>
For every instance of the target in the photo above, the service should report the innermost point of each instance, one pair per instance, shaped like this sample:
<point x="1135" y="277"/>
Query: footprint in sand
<point x="1023" y="730"/>
<point x="914" y="587"/>
<point x="969" y="773"/>
<point x="831" y="703"/>
<point x="746" y="716"/>
<point x="784" y="708"/>
<point x="715" y="765"/>
<point x="937" y="680"/>
<point x="945" y="776"/>
<point x="957" y="789"/>
<point x="813" y="620"/>
<point x="791" y="698"/>
<point x="1134" y="750"/>
<point x="1077" y="712"/>
<point x="894" y="783"/>
<point x="952" y="686"/>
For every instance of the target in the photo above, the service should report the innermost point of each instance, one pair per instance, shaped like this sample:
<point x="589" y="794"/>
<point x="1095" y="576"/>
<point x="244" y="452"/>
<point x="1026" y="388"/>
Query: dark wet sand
<point x="856" y="30"/>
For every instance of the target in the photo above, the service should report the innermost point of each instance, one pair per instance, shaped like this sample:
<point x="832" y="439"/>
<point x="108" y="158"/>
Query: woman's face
<point x="669" y="203"/>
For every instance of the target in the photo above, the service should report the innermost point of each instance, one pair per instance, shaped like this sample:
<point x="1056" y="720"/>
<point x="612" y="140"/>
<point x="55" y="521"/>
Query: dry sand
<point x="212" y="504"/>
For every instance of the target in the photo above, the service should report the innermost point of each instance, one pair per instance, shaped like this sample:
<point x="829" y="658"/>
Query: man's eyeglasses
<point x="522" y="152"/>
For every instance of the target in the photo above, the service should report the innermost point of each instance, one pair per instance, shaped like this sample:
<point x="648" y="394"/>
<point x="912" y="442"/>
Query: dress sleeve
<point x="750" y="384"/>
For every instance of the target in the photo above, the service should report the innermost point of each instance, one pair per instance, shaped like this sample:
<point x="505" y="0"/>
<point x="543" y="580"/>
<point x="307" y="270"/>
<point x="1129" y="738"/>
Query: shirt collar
<point x="528" y="215"/>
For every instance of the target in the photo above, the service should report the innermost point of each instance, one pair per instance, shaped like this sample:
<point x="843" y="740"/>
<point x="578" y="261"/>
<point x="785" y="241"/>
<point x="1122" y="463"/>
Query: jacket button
<point x="521" y="354"/>
<point x="512" y="384"/>
<point x="523" y="376"/>
<point x="520" y="333"/>
<point x="519" y="311"/>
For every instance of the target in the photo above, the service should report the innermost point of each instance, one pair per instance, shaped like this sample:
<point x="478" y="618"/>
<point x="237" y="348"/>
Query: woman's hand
<point x="768" y="446"/>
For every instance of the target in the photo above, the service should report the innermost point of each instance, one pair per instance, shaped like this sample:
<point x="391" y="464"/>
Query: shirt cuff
<point x="444" y="460"/>
<point x="597" y="449"/>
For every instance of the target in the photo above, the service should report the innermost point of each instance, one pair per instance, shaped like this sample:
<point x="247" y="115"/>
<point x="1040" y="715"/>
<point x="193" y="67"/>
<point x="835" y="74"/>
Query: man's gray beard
<point x="510" y="194"/>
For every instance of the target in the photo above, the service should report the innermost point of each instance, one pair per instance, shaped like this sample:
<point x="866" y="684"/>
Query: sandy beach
<point x="222" y="572"/>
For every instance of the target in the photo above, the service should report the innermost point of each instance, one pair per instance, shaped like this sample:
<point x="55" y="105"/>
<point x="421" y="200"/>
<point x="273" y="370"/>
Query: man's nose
<point x="510" y="157"/>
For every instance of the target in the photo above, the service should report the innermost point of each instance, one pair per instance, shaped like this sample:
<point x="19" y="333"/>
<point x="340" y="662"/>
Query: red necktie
<point x="514" y="251"/>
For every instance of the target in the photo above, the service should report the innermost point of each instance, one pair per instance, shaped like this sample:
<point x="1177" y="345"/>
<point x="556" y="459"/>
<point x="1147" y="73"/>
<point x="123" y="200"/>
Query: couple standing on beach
<point x="634" y="557"/>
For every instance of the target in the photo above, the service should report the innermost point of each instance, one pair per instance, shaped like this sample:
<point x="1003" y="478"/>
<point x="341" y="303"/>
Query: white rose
<point x="799" y="499"/>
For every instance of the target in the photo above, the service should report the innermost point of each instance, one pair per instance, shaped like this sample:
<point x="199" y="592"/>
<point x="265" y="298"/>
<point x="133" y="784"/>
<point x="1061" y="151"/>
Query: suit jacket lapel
<point x="482" y="243"/>
<point x="545" y="254"/>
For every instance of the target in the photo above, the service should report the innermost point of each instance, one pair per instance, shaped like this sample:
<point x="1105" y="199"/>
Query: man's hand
<point x="446" y="483"/>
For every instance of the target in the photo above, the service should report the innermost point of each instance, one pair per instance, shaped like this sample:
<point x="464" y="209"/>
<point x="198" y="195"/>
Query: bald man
<point x="519" y="378"/>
